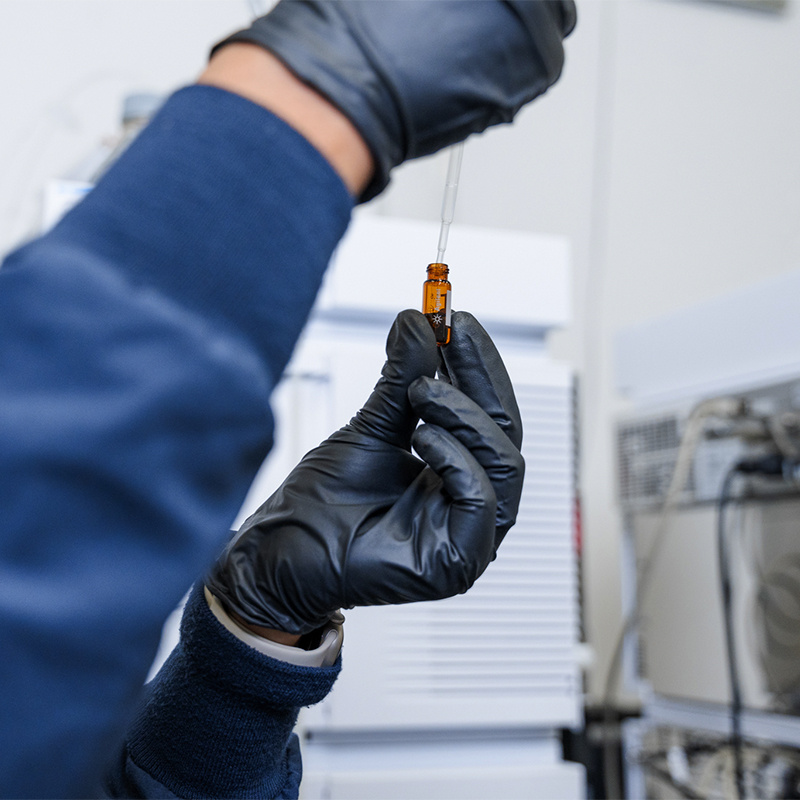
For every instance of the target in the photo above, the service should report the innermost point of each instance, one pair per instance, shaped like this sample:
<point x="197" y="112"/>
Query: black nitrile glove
<point x="414" y="76"/>
<point x="361" y="521"/>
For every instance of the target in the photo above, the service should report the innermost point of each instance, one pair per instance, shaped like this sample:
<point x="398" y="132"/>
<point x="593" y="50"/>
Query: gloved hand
<point x="362" y="521"/>
<point x="414" y="76"/>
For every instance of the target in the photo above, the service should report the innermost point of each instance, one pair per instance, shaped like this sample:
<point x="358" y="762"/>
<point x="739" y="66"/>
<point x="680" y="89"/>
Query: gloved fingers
<point x="543" y="21"/>
<point x="474" y="366"/>
<point x="445" y="406"/>
<point x="471" y="525"/>
<point x="411" y="352"/>
<point x="442" y="373"/>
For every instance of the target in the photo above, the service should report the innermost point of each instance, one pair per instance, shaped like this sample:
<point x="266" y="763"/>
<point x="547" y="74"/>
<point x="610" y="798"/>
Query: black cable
<point x="772" y="465"/>
<point x="725" y="497"/>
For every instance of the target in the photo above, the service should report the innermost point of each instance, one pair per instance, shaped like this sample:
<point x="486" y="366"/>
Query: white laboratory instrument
<point x="746" y="345"/>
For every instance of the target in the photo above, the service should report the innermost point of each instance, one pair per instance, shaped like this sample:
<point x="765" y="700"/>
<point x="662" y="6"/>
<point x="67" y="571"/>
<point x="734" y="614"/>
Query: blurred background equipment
<point x="60" y="194"/>
<point x="715" y="578"/>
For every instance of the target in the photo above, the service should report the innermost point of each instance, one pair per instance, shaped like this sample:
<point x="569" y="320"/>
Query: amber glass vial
<point x="436" y="294"/>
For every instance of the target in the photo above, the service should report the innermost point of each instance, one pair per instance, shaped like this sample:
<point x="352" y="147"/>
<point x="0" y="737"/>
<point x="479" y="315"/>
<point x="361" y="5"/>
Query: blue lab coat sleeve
<point x="139" y="342"/>
<point x="217" y="720"/>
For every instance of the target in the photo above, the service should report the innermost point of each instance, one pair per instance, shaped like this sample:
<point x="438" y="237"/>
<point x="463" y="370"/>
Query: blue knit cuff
<point x="217" y="720"/>
<point x="225" y="661"/>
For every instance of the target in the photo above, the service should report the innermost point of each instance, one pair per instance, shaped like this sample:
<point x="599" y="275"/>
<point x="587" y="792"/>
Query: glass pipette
<point x="449" y="200"/>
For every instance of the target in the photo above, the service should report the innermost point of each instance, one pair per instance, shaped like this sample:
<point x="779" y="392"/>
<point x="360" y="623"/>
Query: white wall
<point x="668" y="153"/>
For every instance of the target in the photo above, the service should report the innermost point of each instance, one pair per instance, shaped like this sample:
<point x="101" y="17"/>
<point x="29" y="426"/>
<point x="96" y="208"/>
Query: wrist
<point x="254" y="73"/>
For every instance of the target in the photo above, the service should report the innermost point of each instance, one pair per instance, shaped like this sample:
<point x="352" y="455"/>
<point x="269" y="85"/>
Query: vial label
<point x="440" y="319"/>
<point x="437" y="321"/>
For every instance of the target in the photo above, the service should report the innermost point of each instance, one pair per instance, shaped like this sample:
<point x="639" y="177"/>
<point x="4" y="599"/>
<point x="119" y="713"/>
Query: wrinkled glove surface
<point x="415" y="76"/>
<point x="361" y="520"/>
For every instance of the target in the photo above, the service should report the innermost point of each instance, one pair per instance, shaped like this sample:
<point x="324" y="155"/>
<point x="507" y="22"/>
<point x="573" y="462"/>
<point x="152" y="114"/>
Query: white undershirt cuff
<point x="324" y="655"/>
